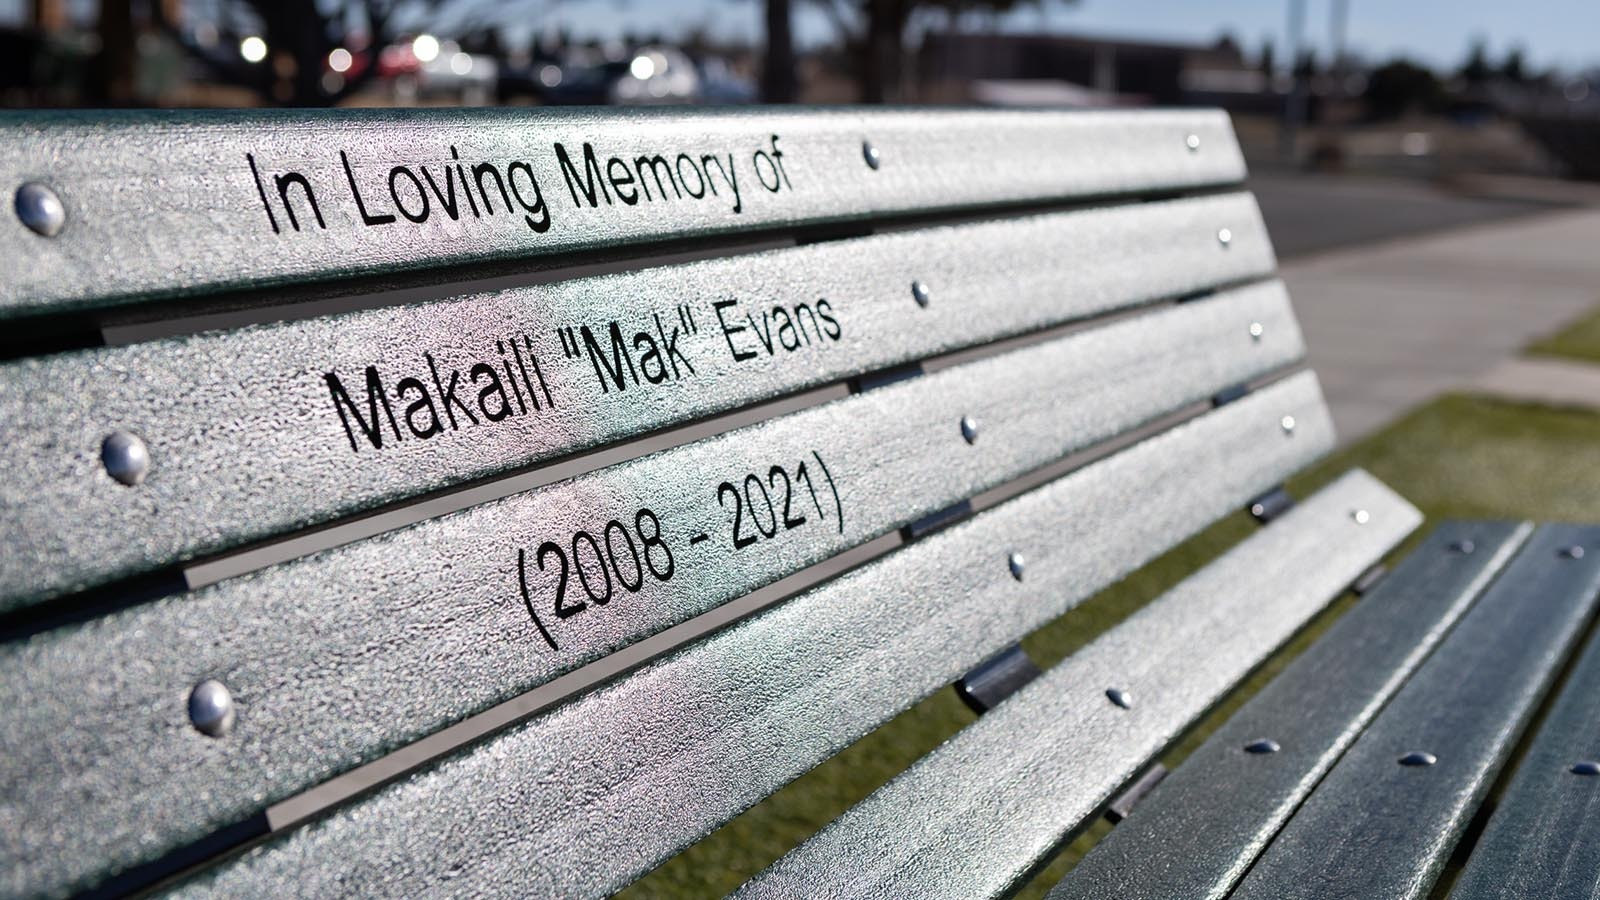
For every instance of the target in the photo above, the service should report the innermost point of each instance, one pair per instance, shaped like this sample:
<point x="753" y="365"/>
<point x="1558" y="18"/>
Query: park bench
<point x="327" y="433"/>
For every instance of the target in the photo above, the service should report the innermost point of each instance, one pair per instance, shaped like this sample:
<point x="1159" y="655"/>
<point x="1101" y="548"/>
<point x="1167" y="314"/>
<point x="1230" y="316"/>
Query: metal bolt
<point x="1016" y="564"/>
<point x="1573" y="552"/>
<point x="1256" y="331"/>
<point x="870" y="153"/>
<point x="919" y="293"/>
<point x="1120" y="697"/>
<point x="1192" y="142"/>
<point x="1360" y="516"/>
<point x="1262" y="745"/>
<point x="969" y="429"/>
<point x="1224" y="236"/>
<point x="1464" y="547"/>
<point x="211" y="708"/>
<point x="1288" y="424"/>
<point x="1586" y="767"/>
<point x="1418" y="758"/>
<point x="40" y="209"/>
<point x="125" y="457"/>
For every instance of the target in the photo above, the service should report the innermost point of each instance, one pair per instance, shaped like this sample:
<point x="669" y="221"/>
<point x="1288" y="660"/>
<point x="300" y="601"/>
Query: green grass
<point x="1580" y="340"/>
<point x="1459" y="457"/>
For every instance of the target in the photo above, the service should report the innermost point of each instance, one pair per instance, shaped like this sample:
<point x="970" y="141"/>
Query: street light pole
<point x="1294" y="108"/>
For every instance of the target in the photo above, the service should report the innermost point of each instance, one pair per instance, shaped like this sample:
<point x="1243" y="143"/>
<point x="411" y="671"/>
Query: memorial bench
<point x="659" y="365"/>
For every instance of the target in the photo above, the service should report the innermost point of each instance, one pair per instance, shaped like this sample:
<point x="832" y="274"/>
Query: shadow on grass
<point x="1459" y="457"/>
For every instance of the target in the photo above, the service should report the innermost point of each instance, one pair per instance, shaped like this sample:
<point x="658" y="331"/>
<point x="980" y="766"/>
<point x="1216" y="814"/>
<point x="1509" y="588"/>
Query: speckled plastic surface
<point x="168" y="203"/>
<point x="1198" y="833"/>
<point x="248" y="440"/>
<point x="580" y="801"/>
<point x="341" y="656"/>
<point x="1375" y="828"/>
<point x="1544" y="837"/>
<point x="975" y="817"/>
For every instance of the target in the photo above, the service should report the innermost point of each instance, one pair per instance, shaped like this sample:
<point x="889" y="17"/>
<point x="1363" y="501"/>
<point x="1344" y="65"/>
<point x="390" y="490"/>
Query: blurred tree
<point x="1514" y="69"/>
<point x="1401" y="86"/>
<point x="299" y="35"/>
<point x="779" y="83"/>
<point x="1266" y="61"/>
<point x="874" y="33"/>
<point x="1476" y="69"/>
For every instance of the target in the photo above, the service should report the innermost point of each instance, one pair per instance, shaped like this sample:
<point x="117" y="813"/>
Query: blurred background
<point x="1435" y="89"/>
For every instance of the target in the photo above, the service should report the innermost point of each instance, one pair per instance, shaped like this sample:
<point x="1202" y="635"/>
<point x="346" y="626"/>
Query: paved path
<point x="1394" y="325"/>
<point x="1545" y="380"/>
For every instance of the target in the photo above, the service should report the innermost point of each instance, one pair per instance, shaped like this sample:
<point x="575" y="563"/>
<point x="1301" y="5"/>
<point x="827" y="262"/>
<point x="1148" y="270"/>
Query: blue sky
<point x="1563" y="33"/>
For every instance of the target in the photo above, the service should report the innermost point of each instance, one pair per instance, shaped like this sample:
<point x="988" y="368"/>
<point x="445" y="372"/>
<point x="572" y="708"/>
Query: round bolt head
<point x="919" y="293"/>
<point x="1262" y="745"/>
<point x="125" y="457"/>
<point x="1464" y="547"/>
<point x="1224" y="236"/>
<point x="1016" y="564"/>
<point x="40" y="209"/>
<point x="1360" y="516"/>
<point x="969" y="429"/>
<point x="211" y="708"/>
<point x="1192" y="142"/>
<point x="1287" y="423"/>
<point x="1418" y="758"/>
<point x="1258" y="509"/>
<point x="1256" y="331"/>
<point x="1573" y="552"/>
<point x="870" y="154"/>
<point x="1586" y="767"/>
<point x="1120" y="697"/>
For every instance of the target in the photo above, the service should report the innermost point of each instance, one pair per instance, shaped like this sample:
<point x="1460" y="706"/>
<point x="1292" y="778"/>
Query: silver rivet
<point x="125" y="457"/>
<point x="40" y="209"/>
<point x="1418" y="758"/>
<point x="1262" y="745"/>
<point x="969" y="429"/>
<point x="1256" y="331"/>
<point x="919" y="293"/>
<point x="1192" y="142"/>
<point x="1464" y="547"/>
<point x="870" y="153"/>
<point x="1360" y="516"/>
<point x="1120" y="697"/>
<point x="1224" y="236"/>
<point x="1287" y="422"/>
<point x="211" y="708"/>
<point x="1586" y="767"/>
<point x="1258" y="509"/>
<point x="1016" y="564"/>
<point x="1573" y="552"/>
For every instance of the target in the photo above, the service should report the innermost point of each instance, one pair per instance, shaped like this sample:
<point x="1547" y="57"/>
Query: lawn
<point x="1580" y="340"/>
<point x="1459" y="457"/>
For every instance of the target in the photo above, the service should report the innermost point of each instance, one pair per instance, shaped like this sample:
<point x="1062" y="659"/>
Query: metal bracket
<point x="883" y="378"/>
<point x="936" y="520"/>
<point x="1271" y="505"/>
<point x="1121" y="807"/>
<point x="1229" y="394"/>
<point x="1369" y="579"/>
<point x="996" y="678"/>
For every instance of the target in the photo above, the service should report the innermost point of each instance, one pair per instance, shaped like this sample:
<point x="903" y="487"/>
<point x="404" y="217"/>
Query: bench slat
<point x="421" y="627"/>
<point x="977" y="816"/>
<point x="180" y="203"/>
<point x="248" y="439"/>
<point x="582" y="800"/>
<point x="1197" y="834"/>
<point x="1377" y="828"/>
<point x="1541" y="841"/>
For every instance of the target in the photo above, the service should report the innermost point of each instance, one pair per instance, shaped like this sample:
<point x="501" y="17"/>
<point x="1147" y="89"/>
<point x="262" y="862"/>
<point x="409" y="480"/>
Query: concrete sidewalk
<point x="1392" y="326"/>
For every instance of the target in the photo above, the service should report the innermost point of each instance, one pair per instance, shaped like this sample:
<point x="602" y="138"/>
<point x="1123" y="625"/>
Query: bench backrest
<point x="951" y="306"/>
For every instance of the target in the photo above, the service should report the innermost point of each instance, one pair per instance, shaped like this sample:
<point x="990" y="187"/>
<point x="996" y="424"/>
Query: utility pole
<point x="1294" y="107"/>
